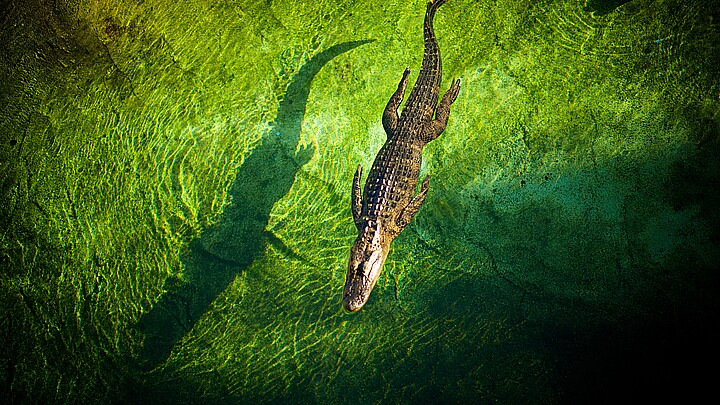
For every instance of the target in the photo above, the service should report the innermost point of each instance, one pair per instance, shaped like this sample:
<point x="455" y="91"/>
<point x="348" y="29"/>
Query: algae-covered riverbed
<point x="175" y="184"/>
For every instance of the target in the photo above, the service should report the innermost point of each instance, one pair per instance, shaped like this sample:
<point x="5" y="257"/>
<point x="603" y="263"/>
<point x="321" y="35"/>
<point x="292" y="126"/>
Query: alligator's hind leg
<point x="437" y="126"/>
<point x="357" y="197"/>
<point x="390" y="116"/>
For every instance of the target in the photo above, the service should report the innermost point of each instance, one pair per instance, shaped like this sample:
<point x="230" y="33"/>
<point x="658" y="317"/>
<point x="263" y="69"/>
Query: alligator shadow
<point x="224" y="250"/>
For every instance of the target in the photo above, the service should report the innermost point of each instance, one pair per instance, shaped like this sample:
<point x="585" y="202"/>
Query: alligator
<point x="387" y="204"/>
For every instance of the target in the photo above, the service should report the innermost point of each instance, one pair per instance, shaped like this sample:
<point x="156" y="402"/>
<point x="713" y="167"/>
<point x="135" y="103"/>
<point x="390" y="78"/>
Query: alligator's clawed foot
<point x="451" y="94"/>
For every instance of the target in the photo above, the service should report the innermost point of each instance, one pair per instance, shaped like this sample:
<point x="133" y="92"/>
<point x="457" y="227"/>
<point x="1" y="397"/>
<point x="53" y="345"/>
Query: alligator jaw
<point x="366" y="262"/>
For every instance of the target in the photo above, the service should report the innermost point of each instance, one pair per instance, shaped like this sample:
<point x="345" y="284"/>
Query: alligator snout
<point x="366" y="262"/>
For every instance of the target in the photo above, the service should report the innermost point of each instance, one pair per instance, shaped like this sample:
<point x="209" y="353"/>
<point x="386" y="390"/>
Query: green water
<point x="175" y="179"/>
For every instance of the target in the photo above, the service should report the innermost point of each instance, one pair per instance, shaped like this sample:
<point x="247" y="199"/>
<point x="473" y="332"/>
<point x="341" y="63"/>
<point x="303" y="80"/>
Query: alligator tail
<point x="432" y="7"/>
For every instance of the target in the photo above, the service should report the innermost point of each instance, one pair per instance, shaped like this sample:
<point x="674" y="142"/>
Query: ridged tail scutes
<point x="432" y="7"/>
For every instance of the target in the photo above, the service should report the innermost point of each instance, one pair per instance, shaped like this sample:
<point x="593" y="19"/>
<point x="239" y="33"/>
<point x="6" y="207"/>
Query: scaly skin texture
<point x="387" y="204"/>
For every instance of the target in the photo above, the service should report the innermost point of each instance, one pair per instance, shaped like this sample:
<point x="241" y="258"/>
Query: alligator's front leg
<point x="413" y="206"/>
<point x="390" y="115"/>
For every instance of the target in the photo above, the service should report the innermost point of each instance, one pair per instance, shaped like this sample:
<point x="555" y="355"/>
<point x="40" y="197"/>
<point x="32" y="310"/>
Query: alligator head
<point x="367" y="257"/>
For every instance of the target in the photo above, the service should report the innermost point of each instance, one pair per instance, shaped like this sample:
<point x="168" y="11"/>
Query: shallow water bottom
<point x="177" y="180"/>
